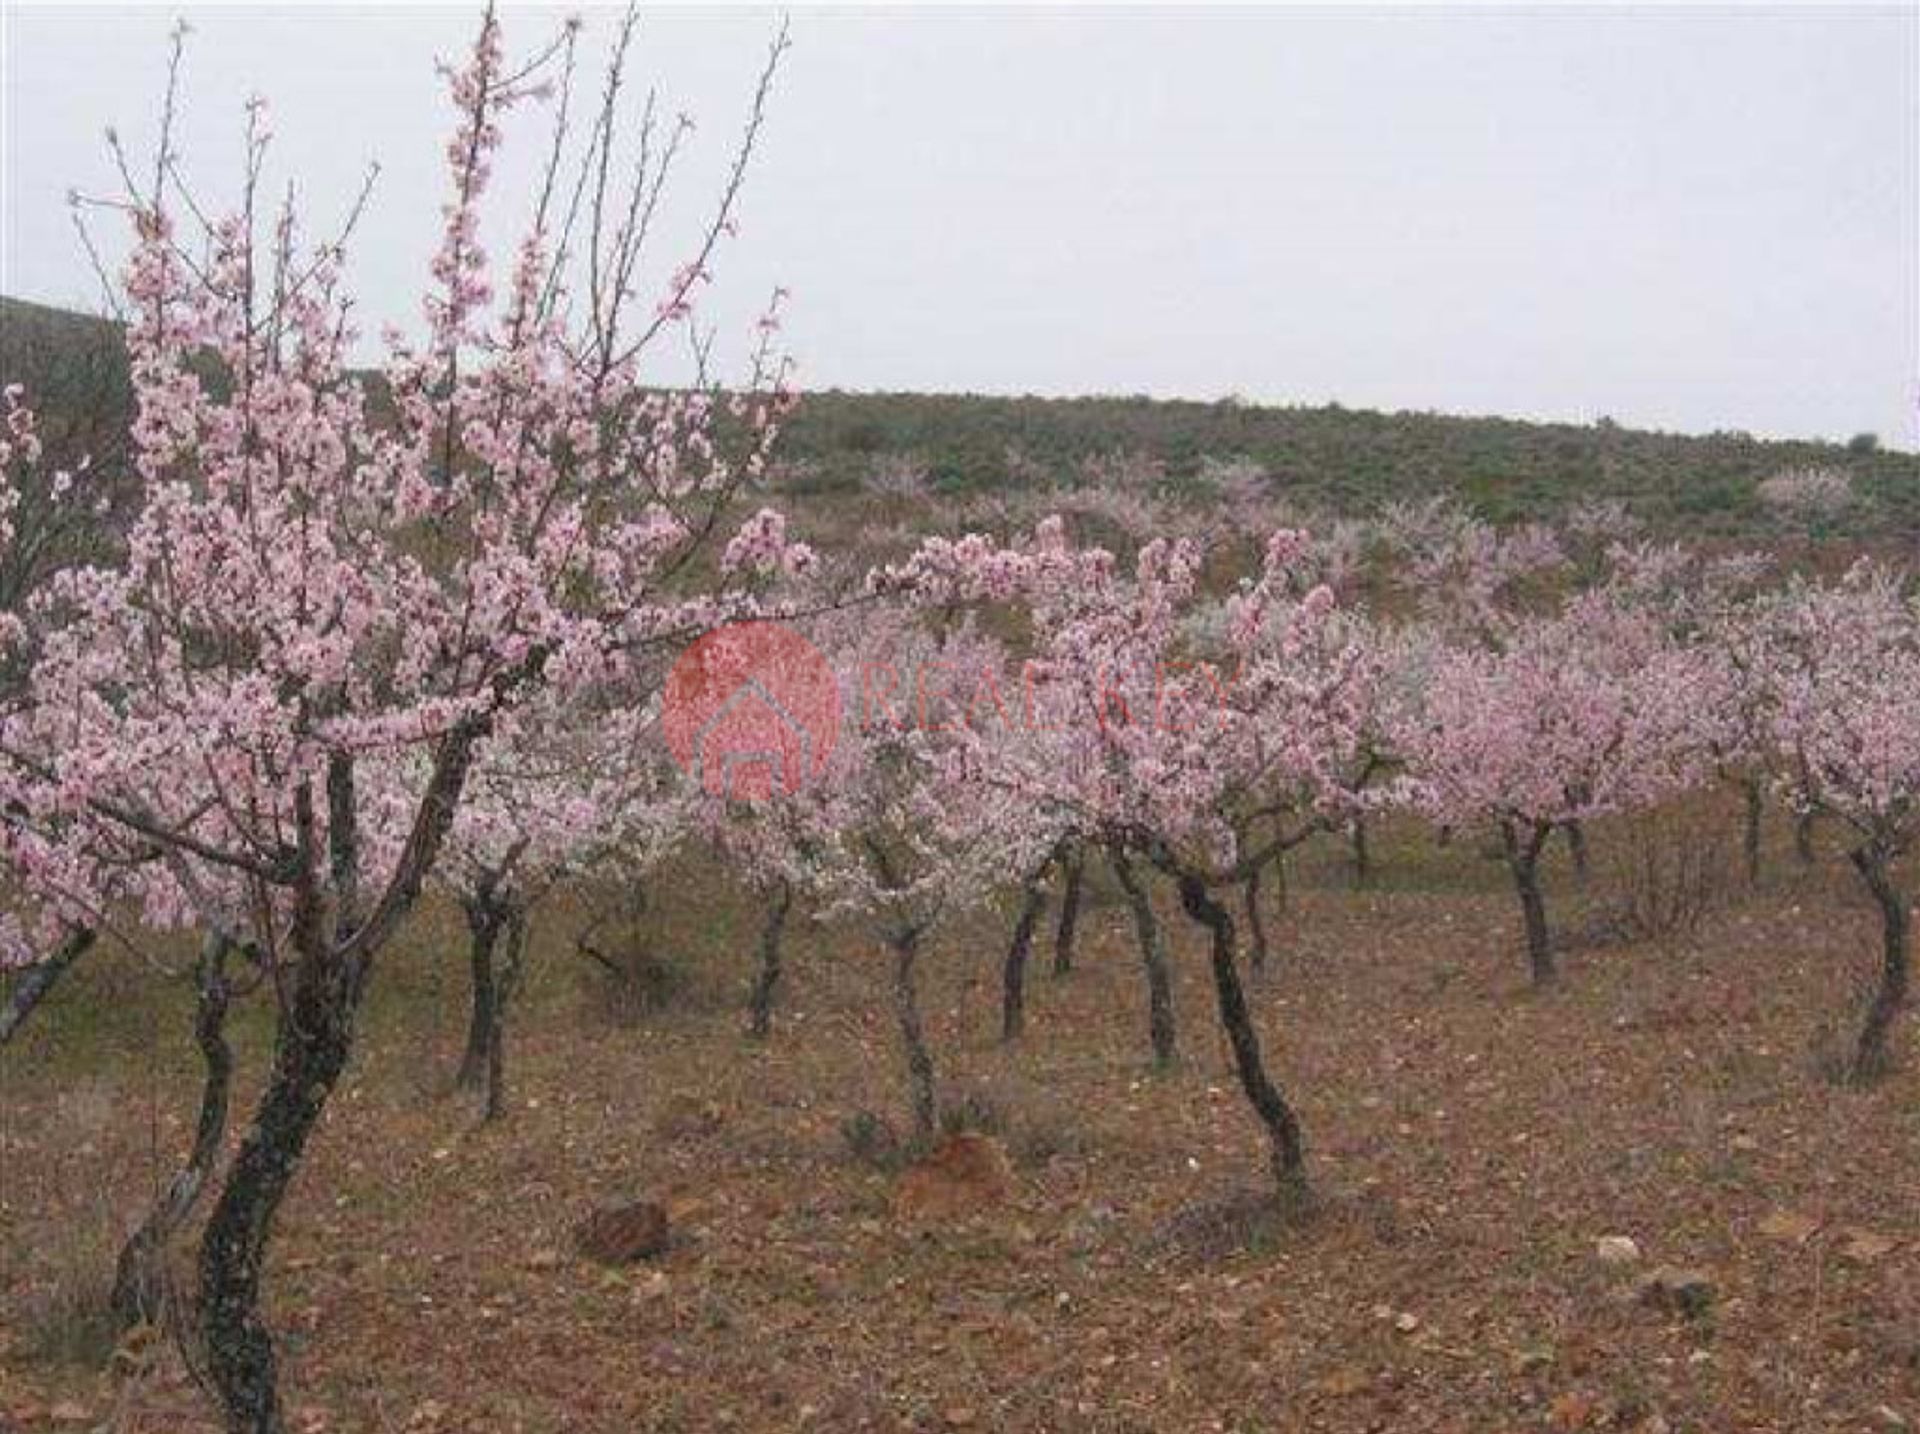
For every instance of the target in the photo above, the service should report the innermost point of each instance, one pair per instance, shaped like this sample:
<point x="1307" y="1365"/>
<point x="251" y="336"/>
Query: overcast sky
<point x="1688" y="220"/>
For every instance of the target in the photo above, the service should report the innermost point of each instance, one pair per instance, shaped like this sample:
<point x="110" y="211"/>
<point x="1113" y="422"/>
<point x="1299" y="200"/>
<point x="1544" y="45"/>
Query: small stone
<point x="1572" y="1410"/>
<point x="1789" y="1228"/>
<point x="69" y="1411"/>
<point x="965" y="1175"/>
<point x="1616" y="1250"/>
<point x="544" y="1260"/>
<point x="1864" y="1247"/>
<point x="960" y="1417"/>
<point x="621" y="1235"/>
<point x="1345" y="1382"/>
<point x="1406" y="1322"/>
<point x="1532" y="1361"/>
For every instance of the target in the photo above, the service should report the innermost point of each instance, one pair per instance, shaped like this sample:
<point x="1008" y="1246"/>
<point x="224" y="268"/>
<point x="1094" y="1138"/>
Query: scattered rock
<point x="965" y="1174"/>
<point x="1346" y="1382"/>
<point x="1789" y="1228"/>
<point x="1864" y="1247"/>
<point x="1406" y="1322"/>
<point x="621" y="1235"/>
<point x="1572" y="1410"/>
<point x="69" y="1411"/>
<point x="1677" y="1291"/>
<point x="1616" y="1250"/>
<point x="544" y="1260"/>
<point x="1532" y="1361"/>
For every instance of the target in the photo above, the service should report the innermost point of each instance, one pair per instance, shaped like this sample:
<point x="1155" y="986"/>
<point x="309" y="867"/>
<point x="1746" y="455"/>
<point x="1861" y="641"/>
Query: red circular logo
<point x="751" y="711"/>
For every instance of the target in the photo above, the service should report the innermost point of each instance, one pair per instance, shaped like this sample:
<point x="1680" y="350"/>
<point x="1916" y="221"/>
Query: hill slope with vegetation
<point x="1328" y="459"/>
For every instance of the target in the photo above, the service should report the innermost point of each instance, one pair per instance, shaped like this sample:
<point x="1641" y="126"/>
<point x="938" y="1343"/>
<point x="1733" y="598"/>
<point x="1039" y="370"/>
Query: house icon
<point x="751" y="746"/>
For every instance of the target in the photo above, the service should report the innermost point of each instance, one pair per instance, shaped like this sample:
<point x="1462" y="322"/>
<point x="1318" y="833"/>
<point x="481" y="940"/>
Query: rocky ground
<point x="1629" y="1203"/>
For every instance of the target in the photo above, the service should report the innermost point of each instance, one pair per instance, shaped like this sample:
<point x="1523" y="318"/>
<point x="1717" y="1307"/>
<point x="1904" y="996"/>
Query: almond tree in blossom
<point x="897" y="833"/>
<point x="1588" y="712"/>
<point x="1842" y="677"/>
<point x="1165" y="750"/>
<point x="554" y="796"/>
<point x="327" y="569"/>
<point x="1707" y="601"/>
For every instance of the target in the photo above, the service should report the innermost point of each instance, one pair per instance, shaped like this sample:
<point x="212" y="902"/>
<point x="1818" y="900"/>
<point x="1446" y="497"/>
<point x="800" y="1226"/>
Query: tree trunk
<point x="1362" y="854"/>
<point x="913" y="1041"/>
<point x="1803" y="838"/>
<point x="1751" y="836"/>
<point x="1523" y="860"/>
<point x="312" y="1040"/>
<point x="1153" y="955"/>
<point x="1287" y="1149"/>
<point x="506" y="982"/>
<point x="1577" y="848"/>
<point x="767" y="981"/>
<point x="1070" y="894"/>
<point x="1870" y="1057"/>
<point x="140" y="1286"/>
<point x="1013" y="972"/>
<point x="38" y="979"/>
<point x="1256" y="926"/>
<point x="484" y="921"/>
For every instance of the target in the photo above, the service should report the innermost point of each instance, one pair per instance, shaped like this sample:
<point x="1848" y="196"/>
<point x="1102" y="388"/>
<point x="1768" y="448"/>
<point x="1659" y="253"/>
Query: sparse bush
<point x="871" y="1140"/>
<point x="629" y="979"/>
<point x="1127" y="470"/>
<point x="1672" y="870"/>
<point x="899" y="475"/>
<point x="65" y="1313"/>
<point x="976" y="1110"/>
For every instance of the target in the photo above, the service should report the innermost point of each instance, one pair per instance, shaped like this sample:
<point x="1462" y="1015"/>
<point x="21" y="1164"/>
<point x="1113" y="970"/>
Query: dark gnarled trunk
<point x="485" y="921"/>
<point x="1751" y="832"/>
<point x="513" y="955"/>
<point x="1362" y="853"/>
<point x="1287" y="1148"/>
<point x="913" y="1041"/>
<point x="1153" y="957"/>
<point x="1577" y="848"/>
<point x="1870" y="1056"/>
<point x="1523" y="860"/>
<point x="140" y="1286"/>
<point x="1803" y="838"/>
<point x="766" y="980"/>
<point x="330" y="946"/>
<point x="1071" y="892"/>
<point x="311" y="1044"/>
<point x="36" y="981"/>
<point x="1256" y="922"/>
<point x="1013" y="971"/>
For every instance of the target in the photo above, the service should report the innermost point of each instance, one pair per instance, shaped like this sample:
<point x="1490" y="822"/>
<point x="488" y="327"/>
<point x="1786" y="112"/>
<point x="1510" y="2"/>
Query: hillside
<point x="1333" y="459"/>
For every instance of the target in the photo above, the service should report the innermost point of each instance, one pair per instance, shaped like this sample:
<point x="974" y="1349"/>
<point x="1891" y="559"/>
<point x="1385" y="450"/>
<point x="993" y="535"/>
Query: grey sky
<point x="1691" y="220"/>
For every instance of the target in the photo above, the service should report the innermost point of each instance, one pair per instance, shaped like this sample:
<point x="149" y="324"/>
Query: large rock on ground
<point x="965" y="1174"/>
<point x="623" y="1234"/>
